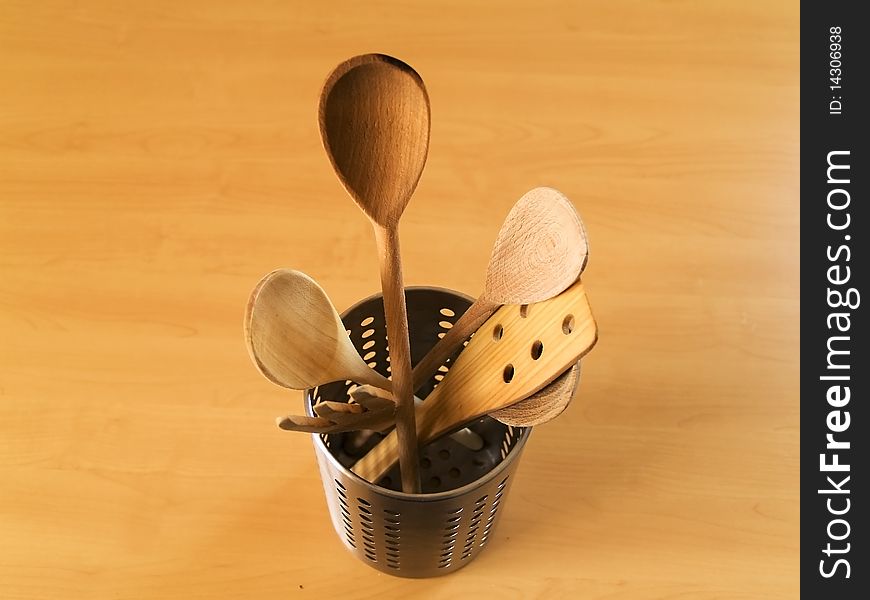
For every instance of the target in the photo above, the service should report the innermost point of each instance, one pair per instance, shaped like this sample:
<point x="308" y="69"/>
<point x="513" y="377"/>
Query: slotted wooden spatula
<point x="518" y="351"/>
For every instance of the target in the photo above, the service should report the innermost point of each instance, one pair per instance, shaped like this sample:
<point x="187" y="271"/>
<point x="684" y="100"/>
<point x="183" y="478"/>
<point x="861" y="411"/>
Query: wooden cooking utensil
<point x="512" y="356"/>
<point x="374" y="122"/>
<point x="296" y="338"/>
<point x="373" y="409"/>
<point x="306" y="424"/>
<point x="376" y="419"/>
<point x="369" y="412"/>
<point x="544" y="405"/>
<point x="540" y="250"/>
<point x="464" y="436"/>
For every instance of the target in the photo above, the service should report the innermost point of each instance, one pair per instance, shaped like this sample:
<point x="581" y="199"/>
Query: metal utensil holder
<point x="445" y="527"/>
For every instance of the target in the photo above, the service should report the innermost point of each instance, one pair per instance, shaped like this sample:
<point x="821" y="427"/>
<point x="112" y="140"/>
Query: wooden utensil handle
<point x="332" y="408"/>
<point x="306" y="424"/>
<point x="562" y="328"/>
<point x="379" y="459"/>
<point x="368" y="376"/>
<point x="468" y="323"/>
<point x="396" y="315"/>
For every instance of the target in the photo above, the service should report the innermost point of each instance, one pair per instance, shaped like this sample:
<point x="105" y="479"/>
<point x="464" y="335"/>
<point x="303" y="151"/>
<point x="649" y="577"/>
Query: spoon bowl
<point x="374" y="122"/>
<point x="296" y="338"/>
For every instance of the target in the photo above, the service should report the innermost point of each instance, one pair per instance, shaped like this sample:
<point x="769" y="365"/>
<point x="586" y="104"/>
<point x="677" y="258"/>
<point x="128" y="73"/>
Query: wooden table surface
<point x="157" y="158"/>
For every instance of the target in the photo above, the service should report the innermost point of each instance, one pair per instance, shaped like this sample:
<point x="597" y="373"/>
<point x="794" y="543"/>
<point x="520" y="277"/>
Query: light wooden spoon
<point x="296" y="338"/>
<point x="374" y="122"/>
<point x="540" y="250"/>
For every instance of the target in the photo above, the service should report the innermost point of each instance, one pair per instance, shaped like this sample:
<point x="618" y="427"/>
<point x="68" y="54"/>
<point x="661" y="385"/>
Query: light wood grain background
<point x="156" y="158"/>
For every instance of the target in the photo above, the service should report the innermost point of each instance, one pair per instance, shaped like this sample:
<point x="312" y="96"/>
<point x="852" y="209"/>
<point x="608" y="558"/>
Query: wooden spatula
<point x="544" y="405"/>
<point x="514" y="354"/>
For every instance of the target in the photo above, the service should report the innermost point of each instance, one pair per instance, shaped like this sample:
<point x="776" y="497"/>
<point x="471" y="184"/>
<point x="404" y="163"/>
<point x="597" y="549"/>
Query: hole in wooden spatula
<point x="508" y="373"/>
<point x="497" y="332"/>
<point x="537" y="349"/>
<point x="568" y="324"/>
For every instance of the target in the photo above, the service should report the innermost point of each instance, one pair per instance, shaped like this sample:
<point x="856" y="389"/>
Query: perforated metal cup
<point x="445" y="527"/>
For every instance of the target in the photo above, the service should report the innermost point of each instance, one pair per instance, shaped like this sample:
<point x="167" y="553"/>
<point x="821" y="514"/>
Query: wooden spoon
<point x="510" y="358"/>
<point x="540" y="250"/>
<point x="296" y="338"/>
<point x="363" y="418"/>
<point x="374" y="122"/>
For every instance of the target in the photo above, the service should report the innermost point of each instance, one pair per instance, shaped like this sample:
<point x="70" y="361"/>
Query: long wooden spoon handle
<point x="468" y="323"/>
<point x="396" y="314"/>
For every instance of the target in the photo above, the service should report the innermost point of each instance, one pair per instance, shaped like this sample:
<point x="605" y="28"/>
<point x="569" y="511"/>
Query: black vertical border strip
<point x="821" y="133"/>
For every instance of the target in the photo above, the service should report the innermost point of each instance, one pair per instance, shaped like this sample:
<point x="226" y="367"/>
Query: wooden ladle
<point x="296" y="338"/>
<point x="540" y="250"/>
<point x="374" y="122"/>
